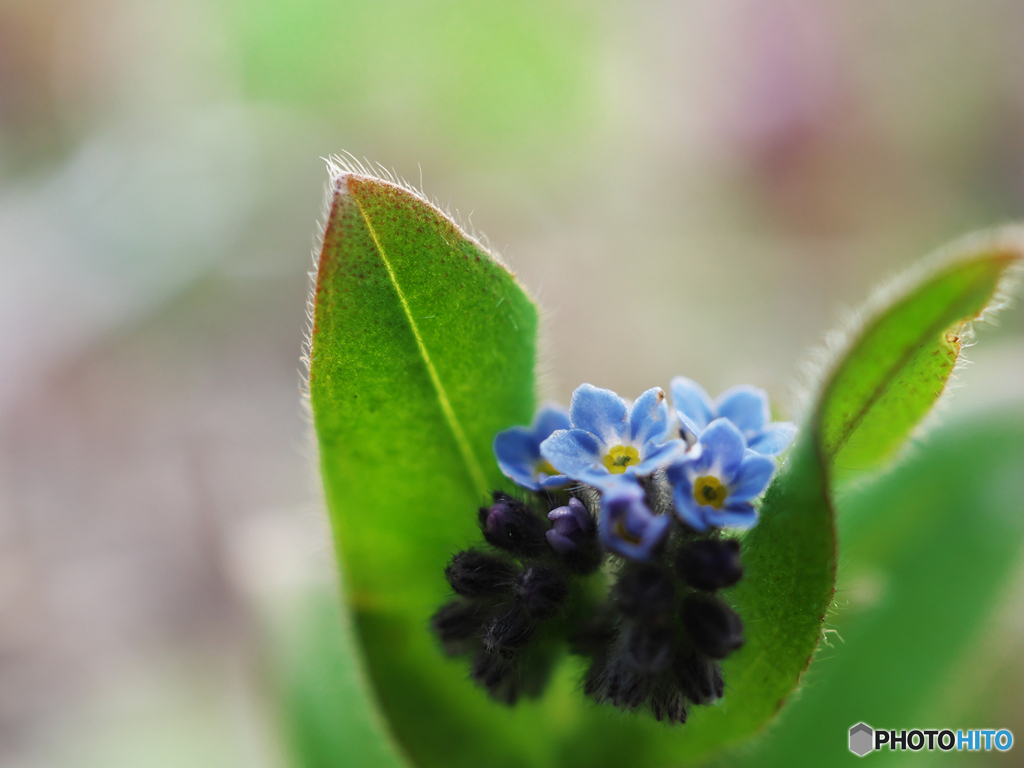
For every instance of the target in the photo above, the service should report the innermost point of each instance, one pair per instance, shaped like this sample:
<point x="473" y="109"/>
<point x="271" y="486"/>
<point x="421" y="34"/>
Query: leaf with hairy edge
<point x="897" y="367"/>
<point x="422" y="348"/>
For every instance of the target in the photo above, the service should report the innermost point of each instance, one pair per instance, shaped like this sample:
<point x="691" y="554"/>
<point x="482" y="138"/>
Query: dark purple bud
<point x="541" y="591"/>
<point x="498" y="675"/>
<point x="710" y="564"/>
<point x="699" y="677"/>
<point x="714" y="627"/>
<point x="457" y="623"/>
<point x="649" y="648"/>
<point x="617" y="682"/>
<point x="507" y="632"/>
<point x="480" y="575"/>
<point x="645" y="590"/>
<point x="668" y="703"/>
<point x="510" y="525"/>
<point x="572" y="526"/>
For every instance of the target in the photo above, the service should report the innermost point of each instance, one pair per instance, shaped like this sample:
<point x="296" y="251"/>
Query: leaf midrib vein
<point x="472" y="465"/>
<point x="890" y="375"/>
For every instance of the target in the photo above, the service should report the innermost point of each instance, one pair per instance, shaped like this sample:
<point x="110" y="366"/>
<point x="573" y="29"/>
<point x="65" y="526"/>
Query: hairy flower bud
<point x="541" y="590"/>
<point x="497" y="674"/>
<point x="668" y="703"/>
<point x="510" y="525"/>
<point x="458" y="622"/>
<point x="509" y="631"/>
<point x="710" y="564"/>
<point x="480" y="575"/>
<point x="645" y="590"/>
<point x="698" y="677"/>
<point x="649" y="648"/>
<point x="714" y="627"/>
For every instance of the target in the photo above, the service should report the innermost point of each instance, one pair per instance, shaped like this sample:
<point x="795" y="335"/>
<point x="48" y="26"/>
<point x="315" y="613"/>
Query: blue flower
<point x="712" y="485"/>
<point x="572" y="525"/>
<point x="744" y="406"/>
<point x="518" y="450"/>
<point x="626" y="524"/>
<point x="609" y="438"/>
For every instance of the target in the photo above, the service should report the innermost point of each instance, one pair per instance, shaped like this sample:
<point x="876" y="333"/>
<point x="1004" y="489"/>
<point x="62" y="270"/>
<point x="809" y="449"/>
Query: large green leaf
<point x="899" y="362"/>
<point x="928" y="548"/>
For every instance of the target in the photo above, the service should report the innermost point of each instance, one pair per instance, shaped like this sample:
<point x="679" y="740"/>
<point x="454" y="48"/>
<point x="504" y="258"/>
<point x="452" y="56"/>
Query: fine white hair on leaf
<point x="346" y="164"/>
<point x="815" y="370"/>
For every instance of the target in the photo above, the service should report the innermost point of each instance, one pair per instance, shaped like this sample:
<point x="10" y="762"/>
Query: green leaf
<point x="899" y="363"/>
<point x="928" y="549"/>
<point x="422" y="349"/>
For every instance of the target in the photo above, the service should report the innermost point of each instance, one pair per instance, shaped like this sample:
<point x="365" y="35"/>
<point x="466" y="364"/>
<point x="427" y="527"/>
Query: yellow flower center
<point x="620" y="457"/>
<point x="709" y="492"/>
<point x="544" y="466"/>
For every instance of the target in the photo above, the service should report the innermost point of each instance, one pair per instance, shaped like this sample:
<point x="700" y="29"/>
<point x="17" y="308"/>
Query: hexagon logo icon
<point x="862" y="739"/>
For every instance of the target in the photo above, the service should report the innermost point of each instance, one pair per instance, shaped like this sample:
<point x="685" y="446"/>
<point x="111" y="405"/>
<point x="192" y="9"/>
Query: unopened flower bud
<point x="480" y="575"/>
<point x="649" y="648"/>
<point x="457" y="623"/>
<point x="541" y="590"/>
<point x="645" y="590"/>
<point x="497" y="674"/>
<point x="710" y="564"/>
<point x="510" y="525"/>
<point x="572" y="526"/>
<point x="714" y="627"/>
<point x="699" y="677"/>
<point x="509" y="631"/>
<point x="668" y="703"/>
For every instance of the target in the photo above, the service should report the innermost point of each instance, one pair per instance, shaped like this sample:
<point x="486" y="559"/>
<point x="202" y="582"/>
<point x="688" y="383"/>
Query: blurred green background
<point x="688" y="188"/>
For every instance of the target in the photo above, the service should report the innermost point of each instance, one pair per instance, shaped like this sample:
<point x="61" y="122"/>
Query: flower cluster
<point x="644" y="491"/>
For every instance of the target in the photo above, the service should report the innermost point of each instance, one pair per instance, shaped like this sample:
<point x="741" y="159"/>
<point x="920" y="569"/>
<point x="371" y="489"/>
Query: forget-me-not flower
<point x="744" y="406"/>
<point x="626" y="524"/>
<point x="518" y="450"/>
<point x="609" y="438"/>
<point x="713" y="484"/>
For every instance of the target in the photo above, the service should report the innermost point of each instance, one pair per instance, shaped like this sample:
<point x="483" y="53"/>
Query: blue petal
<point x="752" y="477"/>
<point x="689" y="427"/>
<point x="549" y="419"/>
<point x="551" y="481"/>
<point x="746" y="407"/>
<point x="648" y="419"/>
<point x="690" y="399"/>
<point x="517" y="453"/>
<point x="624" y="503"/>
<point x="724" y="447"/>
<point x="688" y="510"/>
<point x="600" y="412"/>
<point x="774" y="439"/>
<point x="574" y="452"/>
<point x="656" y="456"/>
<point x="738" y="515"/>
